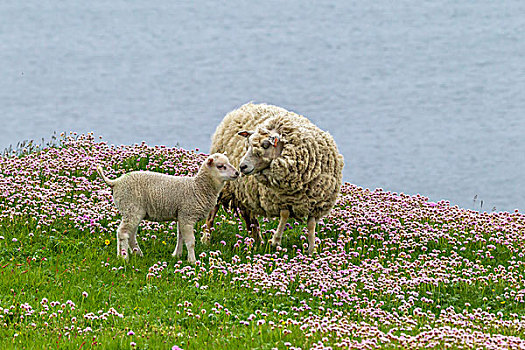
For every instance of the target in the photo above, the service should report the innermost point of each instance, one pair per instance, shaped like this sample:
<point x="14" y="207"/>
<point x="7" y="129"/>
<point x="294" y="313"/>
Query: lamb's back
<point x="159" y="196"/>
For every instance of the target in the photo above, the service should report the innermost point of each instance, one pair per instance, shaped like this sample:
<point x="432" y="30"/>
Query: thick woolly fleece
<point x="305" y="179"/>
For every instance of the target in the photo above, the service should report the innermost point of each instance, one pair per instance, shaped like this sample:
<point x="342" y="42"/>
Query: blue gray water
<point x="422" y="97"/>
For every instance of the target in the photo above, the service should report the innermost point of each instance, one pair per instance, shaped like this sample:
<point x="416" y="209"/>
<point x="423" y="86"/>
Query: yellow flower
<point x="164" y="242"/>
<point x="107" y="242"/>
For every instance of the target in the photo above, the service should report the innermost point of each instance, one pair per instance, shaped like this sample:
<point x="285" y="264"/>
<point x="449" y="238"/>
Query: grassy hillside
<point x="390" y="270"/>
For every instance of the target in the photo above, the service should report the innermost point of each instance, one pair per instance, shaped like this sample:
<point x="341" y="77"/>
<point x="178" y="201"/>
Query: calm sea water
<point x="422" y="97"/>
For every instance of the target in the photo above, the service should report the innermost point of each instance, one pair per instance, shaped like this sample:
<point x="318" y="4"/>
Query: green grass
<point x="376" y="274"/>
<point x="62" y="266"/>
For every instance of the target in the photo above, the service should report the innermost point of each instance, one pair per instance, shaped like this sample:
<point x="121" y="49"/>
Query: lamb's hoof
<point x="176" y="255"/>
<point x="123" y="255"/>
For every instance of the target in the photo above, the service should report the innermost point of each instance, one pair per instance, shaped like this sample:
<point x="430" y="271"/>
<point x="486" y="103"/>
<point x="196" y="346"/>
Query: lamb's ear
<point x="209" y="162"/>
<point x="245" y="133"/>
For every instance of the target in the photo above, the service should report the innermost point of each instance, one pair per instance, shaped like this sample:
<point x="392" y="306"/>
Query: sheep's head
<point x="263" y="147"/>
<point x="220" y="167"/>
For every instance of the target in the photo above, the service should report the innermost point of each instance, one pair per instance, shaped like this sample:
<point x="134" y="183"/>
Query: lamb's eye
<point x="220" y="167"/>
<point x="266" y="144"/>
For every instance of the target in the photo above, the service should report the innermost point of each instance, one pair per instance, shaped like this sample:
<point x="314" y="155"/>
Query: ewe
<point x="295" y="168"/>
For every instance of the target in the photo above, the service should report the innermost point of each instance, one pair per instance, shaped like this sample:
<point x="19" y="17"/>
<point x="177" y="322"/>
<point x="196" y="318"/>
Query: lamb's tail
<point x="100" y="171"/>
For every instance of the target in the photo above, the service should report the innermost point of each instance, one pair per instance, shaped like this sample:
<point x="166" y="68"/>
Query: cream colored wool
<point x="305" y="179"/>
<point x="154" y="196"/>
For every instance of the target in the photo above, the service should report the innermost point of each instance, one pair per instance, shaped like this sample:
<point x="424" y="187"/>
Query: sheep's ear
<point x="275" y="140"/>
<point x="245" y="133"/>
<point x="209" y="162"/>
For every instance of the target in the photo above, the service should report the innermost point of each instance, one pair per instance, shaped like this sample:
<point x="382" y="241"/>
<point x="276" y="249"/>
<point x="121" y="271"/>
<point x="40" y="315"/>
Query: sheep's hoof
<point x="275" y="241"/>
<point x="311" y="251"/>
<point x="205" y="238"/>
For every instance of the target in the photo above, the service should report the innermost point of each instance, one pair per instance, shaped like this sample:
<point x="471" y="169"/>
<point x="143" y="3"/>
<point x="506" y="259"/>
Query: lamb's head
<point x="263" y="147"/>
<point x="220" y="168"/>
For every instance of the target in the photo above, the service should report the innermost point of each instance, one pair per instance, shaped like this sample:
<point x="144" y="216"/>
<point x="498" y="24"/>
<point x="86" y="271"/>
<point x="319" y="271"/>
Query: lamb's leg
<point x="189" y="240"/>
<point x="206" y="233"/>
<point x="133" y="244"/>
<point x="276" y="239"/>
<point x="126" y="232"/>
<point x="178" y="249"/>
<point x="311" y="234"/>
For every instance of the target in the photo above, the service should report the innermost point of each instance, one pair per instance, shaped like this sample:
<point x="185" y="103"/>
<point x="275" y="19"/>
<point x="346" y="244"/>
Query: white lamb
<point x="153" y="196"/>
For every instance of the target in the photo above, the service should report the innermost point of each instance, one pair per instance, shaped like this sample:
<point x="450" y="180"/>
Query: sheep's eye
<point x="220" y="167"/>
<point x="266" y="144"/>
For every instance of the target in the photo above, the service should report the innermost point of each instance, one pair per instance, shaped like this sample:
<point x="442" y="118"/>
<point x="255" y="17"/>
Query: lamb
<point x="292" y="168"/>
<point x="153" y="196"/>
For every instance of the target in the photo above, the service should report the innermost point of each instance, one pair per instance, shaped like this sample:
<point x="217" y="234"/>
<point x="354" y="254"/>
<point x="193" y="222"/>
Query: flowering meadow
<point x="390" y="270"/>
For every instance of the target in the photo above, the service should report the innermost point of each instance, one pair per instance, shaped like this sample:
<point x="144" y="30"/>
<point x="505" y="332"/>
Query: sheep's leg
<point x="311" y="234"/>
<point x="252" y="225"/>
<point x="189" y="240"/>
<point x="126" y="234"/>
<point x="276" y="239"/>
<point x="178" y="249"/>
<point x="206" y="233"/>
<point x="256" y="231"/>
